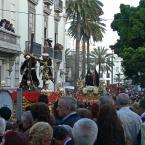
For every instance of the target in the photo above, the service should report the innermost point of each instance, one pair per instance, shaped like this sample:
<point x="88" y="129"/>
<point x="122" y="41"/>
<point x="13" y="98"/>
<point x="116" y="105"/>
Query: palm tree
<point x="102" y="59"/>
<point x="76" y="10"/>
<point x="89" y="13"/>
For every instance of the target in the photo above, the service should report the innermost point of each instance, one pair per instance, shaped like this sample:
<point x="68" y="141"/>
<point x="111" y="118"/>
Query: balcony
<point x="57" y="17"/>
<point x="56" y="54"/>
<point x="9" y="42"/>
<point x="36" y="48"/>
<point x="47" y="9"/>
<point x="58" y="6"/>
<point x="48" y="2"/>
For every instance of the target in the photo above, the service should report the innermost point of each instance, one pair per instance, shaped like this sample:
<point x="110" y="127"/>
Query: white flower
<point x="84" y="91"/>
<point x="95" y="90"/>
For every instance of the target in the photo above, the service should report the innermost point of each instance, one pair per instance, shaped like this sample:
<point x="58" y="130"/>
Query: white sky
<point x="110" y="8"/>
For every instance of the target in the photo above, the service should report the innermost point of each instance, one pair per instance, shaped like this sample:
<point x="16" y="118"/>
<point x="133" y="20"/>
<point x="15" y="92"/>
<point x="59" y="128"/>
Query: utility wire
<point x="40" y="14"/>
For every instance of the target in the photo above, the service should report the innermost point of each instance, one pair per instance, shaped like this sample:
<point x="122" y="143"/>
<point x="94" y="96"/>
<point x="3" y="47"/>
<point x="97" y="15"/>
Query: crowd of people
<point x="7" y="25"/>
<point x="68" y="122"/>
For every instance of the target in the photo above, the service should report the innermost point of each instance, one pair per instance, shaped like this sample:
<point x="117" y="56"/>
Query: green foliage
<point x="102" y="59"/>
<point x="91" y="24"/>
<point x="134" y="64"/>
<point x="85" y="22"/>
<point x="130" y="26"/>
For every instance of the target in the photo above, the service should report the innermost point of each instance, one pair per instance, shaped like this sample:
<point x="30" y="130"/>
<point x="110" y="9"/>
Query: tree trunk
<point x="88" y="54"/>
<point x="77" y="56"/>
<point x="99" y="70"/>
<point x="83" y="59"/>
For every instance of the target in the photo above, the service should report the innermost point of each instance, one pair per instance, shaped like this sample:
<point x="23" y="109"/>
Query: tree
<point x="129" y="24"/>
<point x="102" y="59"/>
<point x="134" y="62"/>
<point x="89" y="12"/>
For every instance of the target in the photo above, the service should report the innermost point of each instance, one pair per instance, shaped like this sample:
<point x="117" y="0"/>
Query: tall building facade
<point x="43" y="18"/>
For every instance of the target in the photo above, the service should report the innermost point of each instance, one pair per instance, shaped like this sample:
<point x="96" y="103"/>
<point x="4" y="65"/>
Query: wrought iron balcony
<point x="54" y="54"/>
<point x="36" y="48"/>
<point x="48" y="2"/>
<point x="58" y="6"/>
<point x="9" y="41"/>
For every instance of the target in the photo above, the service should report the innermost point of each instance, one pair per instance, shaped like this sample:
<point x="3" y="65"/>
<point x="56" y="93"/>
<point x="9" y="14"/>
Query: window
<point x="101" y="75"/>
<point x="108" y="75"/>
<point x="31" y="20"/>
<point x="108" y="82"/>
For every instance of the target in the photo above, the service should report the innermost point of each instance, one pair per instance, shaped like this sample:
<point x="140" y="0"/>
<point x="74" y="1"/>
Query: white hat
<point x="45" y="54"/>
<point x="27" y="56"/>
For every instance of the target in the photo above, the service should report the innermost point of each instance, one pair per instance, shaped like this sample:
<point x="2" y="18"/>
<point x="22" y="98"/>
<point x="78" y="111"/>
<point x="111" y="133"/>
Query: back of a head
<point x="5" y="112"/>
<point x="43" y="98"/>
<point x="39" y="132"/>
<point x="2" y="126"/>
<point x="85" y="132"/>
<point x="40" y="112"/>
<point x="14" y="138"/>
<point x="27" y="116"/>
<point x="69" y="102"/>
<point x="142" y="103"/>
<point x="68" y="128"/>
<point x="60" y="133"/>
<point x="106" y="99"/>
<point x="122" y="99"/>
<point x="84" y="113"/>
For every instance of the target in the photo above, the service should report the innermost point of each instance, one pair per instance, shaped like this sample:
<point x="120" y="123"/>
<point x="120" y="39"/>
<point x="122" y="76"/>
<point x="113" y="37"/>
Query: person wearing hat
<point x="46" y="62"/>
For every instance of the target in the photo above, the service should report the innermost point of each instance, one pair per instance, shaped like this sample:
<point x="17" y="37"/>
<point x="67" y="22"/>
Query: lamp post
<point x="112" y="68"/>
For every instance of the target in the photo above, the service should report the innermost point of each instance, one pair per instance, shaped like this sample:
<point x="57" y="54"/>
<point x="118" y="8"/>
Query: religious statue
<point x="46" y="64"/>
<point x="95" y="78"/>
<point x="89" y="79"/>
<point x="28" y="71"/>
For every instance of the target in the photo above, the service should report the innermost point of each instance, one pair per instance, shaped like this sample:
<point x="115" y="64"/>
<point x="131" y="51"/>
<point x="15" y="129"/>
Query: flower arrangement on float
<point x="90" y="89"/>
<point x="89" y="93"/>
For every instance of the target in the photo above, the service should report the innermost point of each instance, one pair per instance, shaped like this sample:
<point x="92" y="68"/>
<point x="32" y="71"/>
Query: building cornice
<point x="35" y="2"/>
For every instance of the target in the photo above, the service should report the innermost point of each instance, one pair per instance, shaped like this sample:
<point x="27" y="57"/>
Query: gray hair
<point x="2" y="126"/>
<point x="85" y="132"/>
<point x="106" y="99"/>
<point x="69" y="102"/>
<point x="27" y="116"/>
<point x="122" y="99"/>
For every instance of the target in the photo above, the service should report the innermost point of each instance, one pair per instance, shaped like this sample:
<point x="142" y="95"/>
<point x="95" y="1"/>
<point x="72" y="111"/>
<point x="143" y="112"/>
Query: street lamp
<point x="119" y="79"/>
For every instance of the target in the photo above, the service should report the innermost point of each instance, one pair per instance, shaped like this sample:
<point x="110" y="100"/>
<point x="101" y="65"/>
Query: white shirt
<point x="131" y="123"/>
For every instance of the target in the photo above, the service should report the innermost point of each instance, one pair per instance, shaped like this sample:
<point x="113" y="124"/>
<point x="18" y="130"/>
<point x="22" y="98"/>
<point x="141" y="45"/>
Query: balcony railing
<point x="57" y="54"/>
<point x="48" y="2"/>
<point x="58" y="6"/>
<point x="9" y="40"/>
<point x="36" y="49"/>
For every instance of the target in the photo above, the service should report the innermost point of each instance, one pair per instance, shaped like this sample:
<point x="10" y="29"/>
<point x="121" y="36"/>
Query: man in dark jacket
<point x="67" y="110"/>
